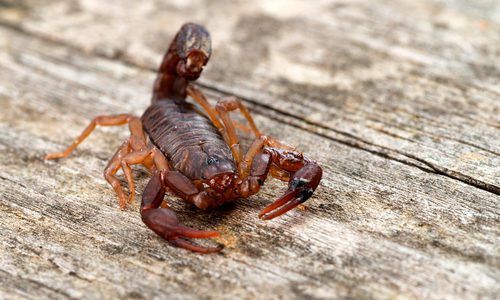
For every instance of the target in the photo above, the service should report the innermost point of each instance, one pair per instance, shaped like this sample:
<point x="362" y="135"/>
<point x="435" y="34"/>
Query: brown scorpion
<point x="195" y="155"/>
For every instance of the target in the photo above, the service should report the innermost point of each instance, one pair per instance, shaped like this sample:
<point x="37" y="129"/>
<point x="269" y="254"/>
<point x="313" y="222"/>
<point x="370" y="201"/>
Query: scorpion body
<point x="196" y="155"/>
<point x="188" y="139"/>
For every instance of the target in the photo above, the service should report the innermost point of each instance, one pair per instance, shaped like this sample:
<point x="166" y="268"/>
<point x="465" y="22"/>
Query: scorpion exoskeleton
<point x="197" y="156"/>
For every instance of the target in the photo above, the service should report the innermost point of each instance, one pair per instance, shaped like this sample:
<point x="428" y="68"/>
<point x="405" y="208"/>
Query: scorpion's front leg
<point x="164" y="221"/>
<point x="305" y="176"/>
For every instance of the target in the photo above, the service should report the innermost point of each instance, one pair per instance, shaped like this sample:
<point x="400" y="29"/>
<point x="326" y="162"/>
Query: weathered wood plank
<point x="416" y="82"/>
<point x="377" y="228"/>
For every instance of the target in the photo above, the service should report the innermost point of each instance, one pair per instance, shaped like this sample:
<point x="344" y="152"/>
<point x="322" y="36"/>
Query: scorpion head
<point x="218" y="173"/>
<point x="191" y="67"/>
<point x="221" y="182"/>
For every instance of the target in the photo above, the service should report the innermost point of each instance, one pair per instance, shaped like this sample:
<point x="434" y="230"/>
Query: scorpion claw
<point x="280" y="206"/>
<point x="164" y="222"/>
<point x="181" y="243"/>
<point x="300" y="188"/>
<point x="183" y="232"/>
<point x="198" y="234"/>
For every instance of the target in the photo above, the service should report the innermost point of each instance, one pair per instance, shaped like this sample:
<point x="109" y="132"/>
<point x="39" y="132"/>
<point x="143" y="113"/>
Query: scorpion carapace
<point x="196" y="153"/>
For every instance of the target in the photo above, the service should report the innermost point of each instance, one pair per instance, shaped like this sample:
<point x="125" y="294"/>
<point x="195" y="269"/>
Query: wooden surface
<point x="399" y="101"/>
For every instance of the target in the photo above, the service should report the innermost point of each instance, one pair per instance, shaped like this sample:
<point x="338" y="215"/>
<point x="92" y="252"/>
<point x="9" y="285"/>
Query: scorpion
<point x="194" y="152"/>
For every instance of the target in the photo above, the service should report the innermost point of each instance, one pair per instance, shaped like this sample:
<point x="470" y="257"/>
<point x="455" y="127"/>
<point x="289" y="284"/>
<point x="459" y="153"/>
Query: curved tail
<point x="188" y="53"/>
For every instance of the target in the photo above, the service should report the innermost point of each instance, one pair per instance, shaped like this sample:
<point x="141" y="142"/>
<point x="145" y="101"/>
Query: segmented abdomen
<point x="187" y="138"/>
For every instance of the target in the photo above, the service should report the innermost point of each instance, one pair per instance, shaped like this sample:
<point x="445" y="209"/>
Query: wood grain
<point x="399" y="102"/>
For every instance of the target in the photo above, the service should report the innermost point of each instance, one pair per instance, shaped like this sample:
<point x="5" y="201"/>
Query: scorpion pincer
<point x="196" y="155"/>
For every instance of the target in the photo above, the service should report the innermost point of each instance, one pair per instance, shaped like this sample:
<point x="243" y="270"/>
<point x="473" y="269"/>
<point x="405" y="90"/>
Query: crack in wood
<point x="414" y="128"/>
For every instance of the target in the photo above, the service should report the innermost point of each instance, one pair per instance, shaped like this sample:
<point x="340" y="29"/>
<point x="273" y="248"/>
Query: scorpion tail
<point x="184" y="61"/>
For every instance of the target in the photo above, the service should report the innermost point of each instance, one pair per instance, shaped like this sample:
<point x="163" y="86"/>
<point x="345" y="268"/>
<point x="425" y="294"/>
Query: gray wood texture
<point x="399" y="101"/>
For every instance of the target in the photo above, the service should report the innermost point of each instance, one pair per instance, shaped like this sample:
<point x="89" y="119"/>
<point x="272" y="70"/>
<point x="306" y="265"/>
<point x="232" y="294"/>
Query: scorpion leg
<point x="255" y="148"/>
<point x="198" y="96"/>
<point x="114" y="120"/>
<point x="252" y="170"/>
<point x="141" y="157"/>
<point x="135" y="144"/>
<point x="113" y="167"/>
<point x="164" y="221"/>
<point x="224" y="107"/>
<point x="228" y="104"/>
<point x="305" y="177"/>
<point x="257" y="175"/>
